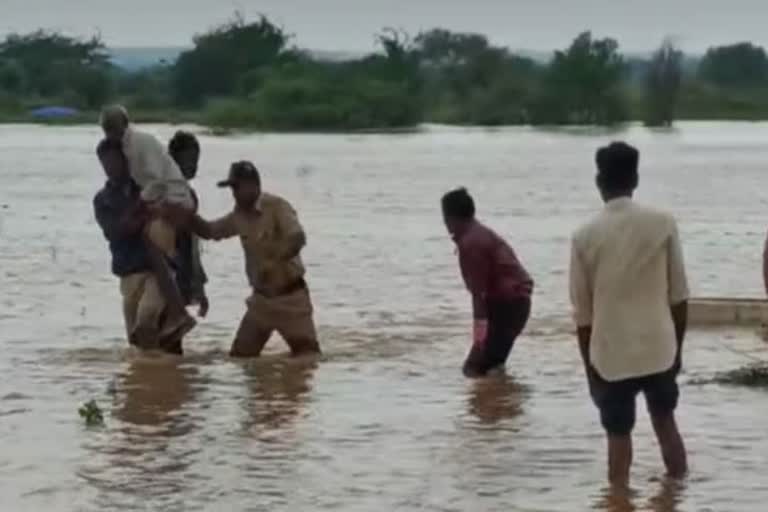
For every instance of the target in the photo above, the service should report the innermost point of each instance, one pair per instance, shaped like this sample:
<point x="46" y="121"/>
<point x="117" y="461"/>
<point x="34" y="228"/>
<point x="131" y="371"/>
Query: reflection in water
<point x="616" y="499"/>
<point x="667" y="498"/>
<point x="149" y="450"/>
<point x="152" y="392"/>
<point x="495" y="398"/>
<point x="277" y="389"/>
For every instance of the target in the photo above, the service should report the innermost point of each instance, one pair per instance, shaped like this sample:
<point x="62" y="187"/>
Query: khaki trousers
<point x="290" y="315"/>
<point x="143" y="304"/>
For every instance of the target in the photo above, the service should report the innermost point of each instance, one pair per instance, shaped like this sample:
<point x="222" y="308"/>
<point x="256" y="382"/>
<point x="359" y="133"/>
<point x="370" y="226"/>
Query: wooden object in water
<point x="720" y="311"/>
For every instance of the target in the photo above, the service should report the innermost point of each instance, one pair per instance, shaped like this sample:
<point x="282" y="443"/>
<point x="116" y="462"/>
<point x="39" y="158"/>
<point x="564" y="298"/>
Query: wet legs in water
<point x="178" y="322"/>
<point x="619" y="459"/>
<point x="671" y="443"/>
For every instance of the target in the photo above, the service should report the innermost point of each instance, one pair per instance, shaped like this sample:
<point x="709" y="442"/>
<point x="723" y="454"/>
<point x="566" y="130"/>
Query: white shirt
<point x="626" y="271"/>
<point x="153" y="169"/>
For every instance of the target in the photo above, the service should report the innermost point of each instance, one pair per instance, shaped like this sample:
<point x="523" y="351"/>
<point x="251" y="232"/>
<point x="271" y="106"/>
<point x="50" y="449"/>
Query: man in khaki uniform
<point x="272" y="239"/>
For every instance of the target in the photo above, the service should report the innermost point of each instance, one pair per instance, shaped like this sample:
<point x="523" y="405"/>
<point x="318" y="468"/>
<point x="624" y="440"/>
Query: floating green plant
<point x="92" y="414"/>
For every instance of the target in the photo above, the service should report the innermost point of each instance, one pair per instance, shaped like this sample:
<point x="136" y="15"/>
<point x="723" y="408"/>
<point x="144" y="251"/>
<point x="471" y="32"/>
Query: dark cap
<point x="239" y="172"/>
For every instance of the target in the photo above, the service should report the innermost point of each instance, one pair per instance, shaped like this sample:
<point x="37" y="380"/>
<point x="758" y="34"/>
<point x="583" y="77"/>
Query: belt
<point x="295" y="286"/>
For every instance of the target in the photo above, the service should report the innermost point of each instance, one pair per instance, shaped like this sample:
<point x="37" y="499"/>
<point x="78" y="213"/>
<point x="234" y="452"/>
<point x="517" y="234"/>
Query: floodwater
<point x="384" y="421"/>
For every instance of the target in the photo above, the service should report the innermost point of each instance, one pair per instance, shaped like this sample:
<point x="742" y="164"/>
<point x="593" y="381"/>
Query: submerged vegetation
<point x="754" y="375"/>
<point x="248" y="74"/>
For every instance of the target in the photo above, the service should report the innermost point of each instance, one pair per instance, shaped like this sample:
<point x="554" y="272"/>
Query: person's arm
<point x="678" y="290"/>
<point x="115" y="225"/>
<point x="198" y="278"/>
<point x="581" y="300"/>
<point x="765" y="265"/>
<point x="293" y="238"/>
<point x="475" y="265"/>
<point x="584" y="335"/>
<point x="216" y="230"/>
<point x="475" y="262"/>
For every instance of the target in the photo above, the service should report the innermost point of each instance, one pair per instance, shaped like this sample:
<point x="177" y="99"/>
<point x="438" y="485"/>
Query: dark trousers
<point x="616" y="399"/>
<point x="506" y="320"/>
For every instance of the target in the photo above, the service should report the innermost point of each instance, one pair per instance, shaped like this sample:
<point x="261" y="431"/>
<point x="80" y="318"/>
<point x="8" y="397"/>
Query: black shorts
<point x="616" y="400"/>
<point x="506" y="320"/>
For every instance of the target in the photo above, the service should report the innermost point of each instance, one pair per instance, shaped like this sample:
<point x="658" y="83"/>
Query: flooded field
<point x="385" y="421"/>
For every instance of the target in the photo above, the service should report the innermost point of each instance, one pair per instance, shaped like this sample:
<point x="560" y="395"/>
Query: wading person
<point x="500" y="286"/>
<point x="121" y="216"/>
<point x="272" y="240"/>
<point x="629" y="294"/>
<point x="191" y="279"/>
<point x="161" y="185"/>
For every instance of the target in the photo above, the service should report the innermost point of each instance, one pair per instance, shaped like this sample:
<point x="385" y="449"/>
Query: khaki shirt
<point x="626" y="271"/>
<point x="264" y="233"/>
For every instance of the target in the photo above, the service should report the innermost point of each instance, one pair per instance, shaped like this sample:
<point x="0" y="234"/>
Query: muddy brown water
<point x="384" y="421"/>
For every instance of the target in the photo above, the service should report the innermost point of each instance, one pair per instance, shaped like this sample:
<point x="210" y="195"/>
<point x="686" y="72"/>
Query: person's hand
<point x="177" y="214"/>
<point x="203" y="306"/>
<point x="152" y="208"/>
<point x="678" y="366"/>
<point x="480" y="331"/>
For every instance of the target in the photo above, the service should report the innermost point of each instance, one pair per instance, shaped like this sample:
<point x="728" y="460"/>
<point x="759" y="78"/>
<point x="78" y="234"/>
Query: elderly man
<point x="272" y="239"/>
<point x="154" y="171"/>
<point x="161" y="184"/>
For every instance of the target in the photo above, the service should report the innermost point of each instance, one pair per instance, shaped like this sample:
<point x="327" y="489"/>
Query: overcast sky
<point x="349" y="25"/>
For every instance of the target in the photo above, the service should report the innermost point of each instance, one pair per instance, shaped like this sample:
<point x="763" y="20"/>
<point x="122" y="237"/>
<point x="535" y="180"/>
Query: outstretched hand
<point x="480" y="331"/>
<point x="204" y="305"/>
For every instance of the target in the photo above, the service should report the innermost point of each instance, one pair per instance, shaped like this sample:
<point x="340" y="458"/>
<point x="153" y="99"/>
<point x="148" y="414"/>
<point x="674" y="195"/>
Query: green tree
<point x="146" y="89"/>
<point x="221" y="56"/>
<point x="662" y="85"/>
<point x="52" y="65"/>
<point x="11" y="77"/>
<point x="443" y="48"/>
<point x="583" y="85"/>
<point x="737" y="65"/>
<point x="467" y="80"/>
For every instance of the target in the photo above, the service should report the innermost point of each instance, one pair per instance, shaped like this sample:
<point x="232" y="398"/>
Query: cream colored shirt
<point x="626" y="271"/>
<point x="154" y="171"/>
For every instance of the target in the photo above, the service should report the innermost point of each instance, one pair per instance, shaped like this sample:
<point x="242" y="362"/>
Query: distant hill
<point x="133" y="59"/>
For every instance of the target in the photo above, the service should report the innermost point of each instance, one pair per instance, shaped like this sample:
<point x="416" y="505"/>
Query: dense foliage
<point x="249" y="75"/>
<point x="663" y="80"/>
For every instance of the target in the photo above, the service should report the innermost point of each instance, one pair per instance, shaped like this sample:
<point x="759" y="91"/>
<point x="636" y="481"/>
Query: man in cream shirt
<point x="629" y="294"/>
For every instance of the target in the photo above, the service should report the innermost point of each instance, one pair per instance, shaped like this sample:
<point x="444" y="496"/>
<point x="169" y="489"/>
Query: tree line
<point x="249" y="75"/>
